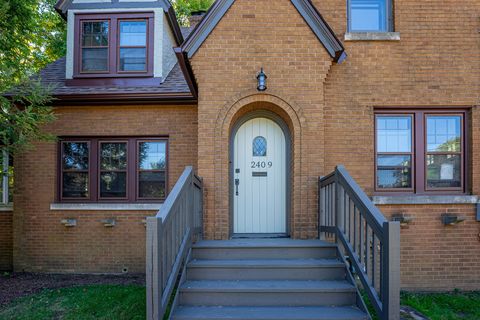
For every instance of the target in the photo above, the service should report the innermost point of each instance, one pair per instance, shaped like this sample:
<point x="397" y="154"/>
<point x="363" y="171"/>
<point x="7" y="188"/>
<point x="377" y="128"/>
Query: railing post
<point x="338" y="206"/>
<point x="321" y="206"/>
<point x="391" y="271"/>
<point x="154" y="268"/>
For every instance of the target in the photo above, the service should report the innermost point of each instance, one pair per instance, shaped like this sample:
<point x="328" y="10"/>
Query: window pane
<point x="75" y="156"/>
<point x="394" y="161"/>
<point x="151" y="185"/>
<point x="75" y="185"/>
<point x="368" y="15"/>
<point x="113" y="156"/>
<point x="394" y="134"/>
<point x="444" y="133"/>
<point x="133" y="59"/>
<point x="394" y="171"/>
<point x="95" y="34"/>
<point x="152" y="155"/>
<point x="133" y="33"/>
<point x="444" y="171"/>
<point x="6" y="178"/>
<point x="259" y="147"/>
<point x="10" y="179"/>
<point x="95" y="59"/>
<point x="113" y="184"/>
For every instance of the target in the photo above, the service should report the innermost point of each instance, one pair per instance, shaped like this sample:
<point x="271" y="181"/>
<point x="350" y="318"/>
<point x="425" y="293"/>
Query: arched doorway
<point x="260" y="158"/>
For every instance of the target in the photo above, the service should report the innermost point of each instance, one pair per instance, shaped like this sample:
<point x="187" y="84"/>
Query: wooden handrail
<point x="370" y="241"/>
<point x="170" y="235"/>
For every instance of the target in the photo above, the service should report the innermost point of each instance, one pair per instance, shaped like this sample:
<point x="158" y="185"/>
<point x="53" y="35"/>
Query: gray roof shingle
<point x="54" y="74"/>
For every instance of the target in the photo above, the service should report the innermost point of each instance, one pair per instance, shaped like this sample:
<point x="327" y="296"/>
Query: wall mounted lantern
<point x="262" y="81"/>
<point x="404" y="219"/>
<point x="69" y="223"/>
<point x="451" y="220"/>
<point x="109" y="223"/>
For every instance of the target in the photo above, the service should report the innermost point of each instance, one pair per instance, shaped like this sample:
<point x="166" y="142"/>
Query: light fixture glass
<point x="262" y="81"/>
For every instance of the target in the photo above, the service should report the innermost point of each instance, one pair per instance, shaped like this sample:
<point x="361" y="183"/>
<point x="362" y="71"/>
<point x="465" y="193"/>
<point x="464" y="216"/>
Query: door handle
<point x="237" y="182"/>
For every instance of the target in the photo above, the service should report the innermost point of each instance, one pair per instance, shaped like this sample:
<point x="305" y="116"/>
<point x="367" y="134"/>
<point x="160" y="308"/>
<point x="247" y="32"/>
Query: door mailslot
<point x="259" y="174"/>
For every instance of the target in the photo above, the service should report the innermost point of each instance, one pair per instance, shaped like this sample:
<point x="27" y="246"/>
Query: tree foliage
<point x="184" y="8"/>
<point x="32" y="35"/>
<point x="23" y="115"/>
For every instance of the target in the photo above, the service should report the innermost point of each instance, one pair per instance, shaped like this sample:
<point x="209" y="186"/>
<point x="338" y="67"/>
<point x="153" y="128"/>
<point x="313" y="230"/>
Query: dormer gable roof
<point x="306" y="9"/>
<point x="62" y="7"/>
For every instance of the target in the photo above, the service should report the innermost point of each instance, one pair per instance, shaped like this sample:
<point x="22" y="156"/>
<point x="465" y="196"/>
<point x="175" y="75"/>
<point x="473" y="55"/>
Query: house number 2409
<point x="261" y="164"/>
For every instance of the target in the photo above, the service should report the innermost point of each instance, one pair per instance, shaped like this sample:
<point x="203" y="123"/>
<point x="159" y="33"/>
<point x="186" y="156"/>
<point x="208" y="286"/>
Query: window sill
<point x="417" y="199"/>
<point x="6" y="207"/>
<point x="372" y="36"/>
<point x="105" y="206"/>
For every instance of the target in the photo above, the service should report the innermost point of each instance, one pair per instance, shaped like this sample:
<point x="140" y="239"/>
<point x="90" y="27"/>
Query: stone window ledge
<point x="105" y="206"/>
<point x="372" y="36"/>
<point x="413" y="199"/>
<point x="6" y="207"/>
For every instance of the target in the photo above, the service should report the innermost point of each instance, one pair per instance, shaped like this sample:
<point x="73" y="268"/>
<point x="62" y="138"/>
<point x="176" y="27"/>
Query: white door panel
<point x="260" y="178"/>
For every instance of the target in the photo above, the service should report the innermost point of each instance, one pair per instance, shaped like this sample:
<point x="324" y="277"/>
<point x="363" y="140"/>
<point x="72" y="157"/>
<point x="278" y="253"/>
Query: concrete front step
<point x="267" y="293"/>
<point x="264" y="249"/>
<point x="268" y="313"/>
<point x="266" y="269"/>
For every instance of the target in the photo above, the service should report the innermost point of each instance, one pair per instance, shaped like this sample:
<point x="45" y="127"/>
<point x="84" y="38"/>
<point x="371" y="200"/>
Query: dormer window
<point x="114" y="45"/>
<point x="133" y="46"/>
<point x="94" y="46"/>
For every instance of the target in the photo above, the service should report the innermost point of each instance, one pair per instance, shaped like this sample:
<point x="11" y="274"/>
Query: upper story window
<point x="113" y="45"/>
<point x="421" y="151"/>
<point x="94" y="46"/>
<point x="6" y="178"/>
<point x="370" y="16"/>
<point x="120" y="170"/>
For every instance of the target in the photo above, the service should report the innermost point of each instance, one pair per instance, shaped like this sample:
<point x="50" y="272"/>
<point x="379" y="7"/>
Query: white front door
<point x="259" y="173"/>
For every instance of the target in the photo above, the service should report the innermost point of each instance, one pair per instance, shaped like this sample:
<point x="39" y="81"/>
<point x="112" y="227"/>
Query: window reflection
<point x="113" y="170"/>
<point x="444" y="147"/>
<point x="75" y="165"/>
<point x="152" y="170"/>
<point x="368" y="15"/>
<point x="394" y="152"/>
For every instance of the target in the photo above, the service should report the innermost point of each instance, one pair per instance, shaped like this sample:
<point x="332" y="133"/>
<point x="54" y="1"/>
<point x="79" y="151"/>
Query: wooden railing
<point x="370" y="242"/>
<point x="170" y="236"/>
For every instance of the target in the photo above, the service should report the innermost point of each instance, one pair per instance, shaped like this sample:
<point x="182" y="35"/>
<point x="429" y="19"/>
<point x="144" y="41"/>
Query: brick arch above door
<point x="227" y="117"/>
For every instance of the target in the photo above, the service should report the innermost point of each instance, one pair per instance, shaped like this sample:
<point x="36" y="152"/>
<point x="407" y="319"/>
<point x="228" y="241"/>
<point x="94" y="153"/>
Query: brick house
<point x="389" y="89"/>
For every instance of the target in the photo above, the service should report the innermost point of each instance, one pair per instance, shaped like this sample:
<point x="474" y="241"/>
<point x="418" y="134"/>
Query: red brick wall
<point x="6" y="241"/>
<point x="331" y="110"/>
<point x="41" y="242"/>
<point x="438" y="257"/>
<point x="436" y="63"/>
<point x="247" y="38"/>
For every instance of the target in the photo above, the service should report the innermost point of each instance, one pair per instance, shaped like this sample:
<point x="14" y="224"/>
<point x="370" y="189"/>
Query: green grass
<point x="89" y="302"/>
<point x="443" y="306"/>
<point x="439" y="306"/>
<point x="128" y="302"/>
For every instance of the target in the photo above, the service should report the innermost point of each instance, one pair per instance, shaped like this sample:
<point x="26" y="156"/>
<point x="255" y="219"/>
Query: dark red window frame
<point x="94" y="169"/>
<point x="419" y="151"/>
<point x="113" y="45"/>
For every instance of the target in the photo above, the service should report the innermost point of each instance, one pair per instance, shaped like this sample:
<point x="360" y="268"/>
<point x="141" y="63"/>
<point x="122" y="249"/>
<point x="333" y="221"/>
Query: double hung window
<point x="420" y="151"/>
